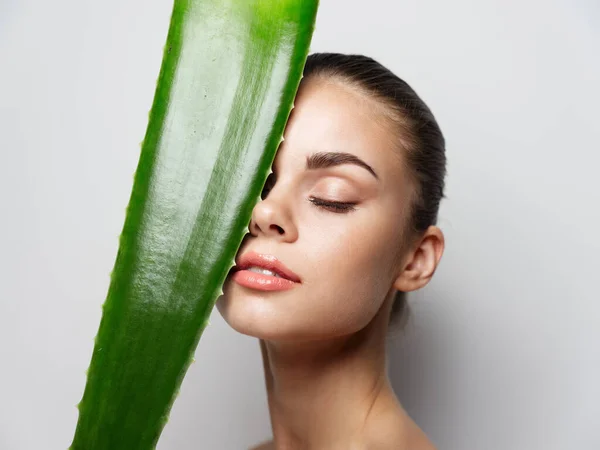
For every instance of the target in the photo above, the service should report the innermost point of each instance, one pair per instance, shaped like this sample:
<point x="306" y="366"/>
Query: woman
<point x="345" y="228"/>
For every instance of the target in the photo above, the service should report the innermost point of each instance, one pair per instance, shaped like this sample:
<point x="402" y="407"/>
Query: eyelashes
<point x="336" y="207"/>
<point x="327" y="205"/>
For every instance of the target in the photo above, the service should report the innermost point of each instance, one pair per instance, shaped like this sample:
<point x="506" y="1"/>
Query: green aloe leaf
<point x="230" y="71"/>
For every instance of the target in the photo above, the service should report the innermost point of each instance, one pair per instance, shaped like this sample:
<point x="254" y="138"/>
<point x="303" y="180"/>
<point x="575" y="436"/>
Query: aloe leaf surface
<point x="229" y="74"/>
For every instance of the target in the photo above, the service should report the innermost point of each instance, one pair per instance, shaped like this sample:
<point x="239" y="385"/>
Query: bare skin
<point x="324" y="342"/>
<point x="348" y="402"/>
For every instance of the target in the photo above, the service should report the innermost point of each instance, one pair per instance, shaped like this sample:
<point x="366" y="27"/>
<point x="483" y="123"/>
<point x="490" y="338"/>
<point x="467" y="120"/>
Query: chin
<point x="256" y="314"/>
<point x="267" y="318"/>
<point x="258" y="317"/>
<point x="286" y="316"/>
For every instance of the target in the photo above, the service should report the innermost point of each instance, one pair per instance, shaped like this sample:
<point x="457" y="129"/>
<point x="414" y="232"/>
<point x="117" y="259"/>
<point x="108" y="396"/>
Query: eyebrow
<point x="322" y="160"/>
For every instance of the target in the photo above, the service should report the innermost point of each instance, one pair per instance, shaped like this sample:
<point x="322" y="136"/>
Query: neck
<point x="321" y="394"/>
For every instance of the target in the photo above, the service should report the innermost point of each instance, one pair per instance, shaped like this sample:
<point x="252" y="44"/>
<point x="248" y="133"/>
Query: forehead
<point x="330" y="116"/>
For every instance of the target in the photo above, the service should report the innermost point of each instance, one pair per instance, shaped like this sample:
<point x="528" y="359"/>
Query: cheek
<point x="350" y="268"/>
<point x="354" y="250"/>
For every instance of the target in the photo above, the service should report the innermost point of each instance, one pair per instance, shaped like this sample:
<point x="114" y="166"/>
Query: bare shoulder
<point x="390" y="428"/>
<point x="391" y="443"/>
<point x="393" y="429"/>
<point x="399" y="438"/>
<point x="268" y="445"/>
<point x="394" y="437"/>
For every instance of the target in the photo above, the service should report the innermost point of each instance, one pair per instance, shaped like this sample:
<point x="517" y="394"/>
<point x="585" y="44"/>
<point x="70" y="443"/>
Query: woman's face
<point x="346" y="256"/>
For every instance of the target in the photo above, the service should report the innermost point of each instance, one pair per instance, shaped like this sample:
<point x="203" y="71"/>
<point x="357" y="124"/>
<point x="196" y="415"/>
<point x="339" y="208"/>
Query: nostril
<point x="278" y="228"/>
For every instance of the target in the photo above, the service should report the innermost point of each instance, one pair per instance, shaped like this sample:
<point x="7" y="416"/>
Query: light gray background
<point x="503" y="352"/>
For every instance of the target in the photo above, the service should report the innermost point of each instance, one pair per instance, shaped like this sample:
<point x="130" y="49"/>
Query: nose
<point x="272" y="217"/>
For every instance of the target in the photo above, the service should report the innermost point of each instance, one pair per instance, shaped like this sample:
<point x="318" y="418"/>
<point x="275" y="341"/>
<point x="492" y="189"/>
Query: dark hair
<point x="419" y="135"/>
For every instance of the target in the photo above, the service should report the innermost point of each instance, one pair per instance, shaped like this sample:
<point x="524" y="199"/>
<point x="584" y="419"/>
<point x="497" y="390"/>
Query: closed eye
<point x="328" y="205"/>
<point x="336" y="207"/>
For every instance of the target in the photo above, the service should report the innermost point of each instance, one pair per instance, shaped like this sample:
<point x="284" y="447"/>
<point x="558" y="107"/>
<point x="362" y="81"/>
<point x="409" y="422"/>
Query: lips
<point x="268" y="262"/>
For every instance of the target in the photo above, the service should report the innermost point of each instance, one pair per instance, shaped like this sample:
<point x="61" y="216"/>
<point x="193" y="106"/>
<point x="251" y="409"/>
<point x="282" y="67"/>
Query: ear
<point x="422" y="261"/>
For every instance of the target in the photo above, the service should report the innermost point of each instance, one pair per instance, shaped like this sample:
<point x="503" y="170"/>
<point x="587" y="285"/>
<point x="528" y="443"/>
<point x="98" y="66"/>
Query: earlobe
<point x="422" y="261"/>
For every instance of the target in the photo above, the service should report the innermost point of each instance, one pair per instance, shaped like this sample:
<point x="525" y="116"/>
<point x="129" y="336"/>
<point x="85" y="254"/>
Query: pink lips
<point x="286" y="280"/>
